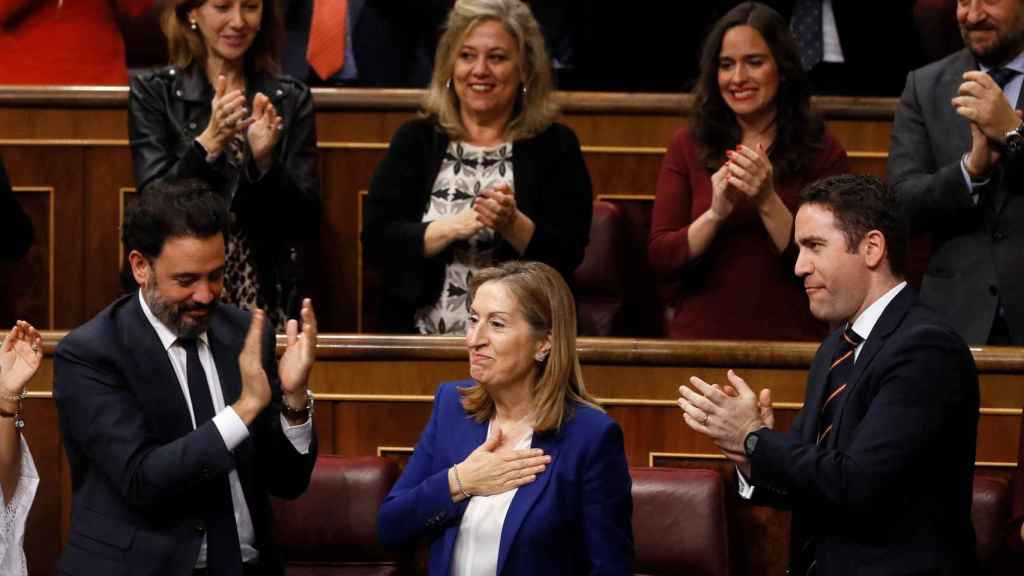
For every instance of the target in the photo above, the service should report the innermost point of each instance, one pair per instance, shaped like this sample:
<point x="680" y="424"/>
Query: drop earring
<point x="192" y="24"/>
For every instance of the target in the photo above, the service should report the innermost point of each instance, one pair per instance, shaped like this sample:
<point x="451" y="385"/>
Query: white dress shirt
<point x="14" y="514"/>
<point x="831" y="48"/>
<point x="231" y="427"/>
<point x="476" y="546"/>
<point x="862" y="325"/>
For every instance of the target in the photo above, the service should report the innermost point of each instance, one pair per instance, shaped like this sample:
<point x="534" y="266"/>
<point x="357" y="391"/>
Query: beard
<point x="1003" y="49"/>
<point x="173" y="315"/>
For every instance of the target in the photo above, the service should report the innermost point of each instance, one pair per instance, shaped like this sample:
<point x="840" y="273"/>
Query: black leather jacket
<point x="279" y="211"/>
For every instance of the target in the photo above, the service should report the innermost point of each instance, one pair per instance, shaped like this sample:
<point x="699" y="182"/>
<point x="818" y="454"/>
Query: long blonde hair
<point x="535" y="110"/>
<point x="547" y="305"/>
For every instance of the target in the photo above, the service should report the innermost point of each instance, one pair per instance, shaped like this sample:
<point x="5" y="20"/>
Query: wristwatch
<point x="1015" y="139"/>
<point x="297" y="413"/>
<point x="750" y="443"/>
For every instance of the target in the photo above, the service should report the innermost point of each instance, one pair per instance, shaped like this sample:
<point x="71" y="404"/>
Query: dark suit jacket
<point x="575" y="518"/>
<point x="393" y="40"/>
<point x="138" y="469"/>
<point x="890" y="491"/>
<point x="978" y="250"/>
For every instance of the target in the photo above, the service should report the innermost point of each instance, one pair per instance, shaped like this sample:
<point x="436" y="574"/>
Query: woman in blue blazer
<point x="519" y="471"/>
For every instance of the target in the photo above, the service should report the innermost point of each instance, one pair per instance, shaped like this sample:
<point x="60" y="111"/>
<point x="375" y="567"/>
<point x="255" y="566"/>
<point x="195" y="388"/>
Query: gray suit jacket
<point x="977" y="250"/>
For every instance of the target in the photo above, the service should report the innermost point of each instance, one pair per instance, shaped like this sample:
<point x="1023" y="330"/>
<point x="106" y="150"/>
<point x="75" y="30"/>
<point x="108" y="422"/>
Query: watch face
<point x="1014" y="140"/>
<point x="750" y="443"/>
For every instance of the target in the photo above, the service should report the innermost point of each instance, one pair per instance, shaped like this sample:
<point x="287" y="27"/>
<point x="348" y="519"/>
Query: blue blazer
<point x="575" y="518"/>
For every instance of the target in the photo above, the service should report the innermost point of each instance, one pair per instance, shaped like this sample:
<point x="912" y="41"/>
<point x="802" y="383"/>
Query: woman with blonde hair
<point x="519" y="471"/>
<point x="222" y="113"/>
<point x="486" y="176"/>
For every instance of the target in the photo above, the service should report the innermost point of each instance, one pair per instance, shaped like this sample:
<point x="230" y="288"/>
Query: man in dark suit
<point x="956" y="165"/>
<point x="177" y="421"/>
<point x="389" y="42"/>
<point x="878" y="465"/>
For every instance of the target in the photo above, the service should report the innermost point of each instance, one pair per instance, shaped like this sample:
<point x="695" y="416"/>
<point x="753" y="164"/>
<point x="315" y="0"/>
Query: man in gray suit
<point x="956" y="164"/>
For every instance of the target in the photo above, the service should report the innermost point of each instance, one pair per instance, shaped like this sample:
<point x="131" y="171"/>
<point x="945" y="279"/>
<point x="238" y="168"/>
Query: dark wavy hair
<point x="172" y="209"/>
<point x="798" y="132"/>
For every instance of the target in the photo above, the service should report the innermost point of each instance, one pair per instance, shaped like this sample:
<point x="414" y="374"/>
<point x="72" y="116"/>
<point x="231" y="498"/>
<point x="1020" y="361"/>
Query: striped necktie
<point x="838" y="376"/>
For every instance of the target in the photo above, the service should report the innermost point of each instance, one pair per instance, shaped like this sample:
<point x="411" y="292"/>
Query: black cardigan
<point x="552" y="187"/>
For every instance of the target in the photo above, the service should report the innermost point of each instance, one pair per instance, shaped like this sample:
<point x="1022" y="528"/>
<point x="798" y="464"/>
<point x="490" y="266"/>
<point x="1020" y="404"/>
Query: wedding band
<point x="706" y="418"/>
<point x="35" y="347"/>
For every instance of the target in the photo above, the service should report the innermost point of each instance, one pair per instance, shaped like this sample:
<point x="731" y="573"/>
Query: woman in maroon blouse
<point x="722" y="226"/>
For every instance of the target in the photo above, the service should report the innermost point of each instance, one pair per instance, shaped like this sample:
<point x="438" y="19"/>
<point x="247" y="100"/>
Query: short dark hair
<point x="172" y="209"/>
<point x="798" y="132"/>
<point x="859" y="205"/>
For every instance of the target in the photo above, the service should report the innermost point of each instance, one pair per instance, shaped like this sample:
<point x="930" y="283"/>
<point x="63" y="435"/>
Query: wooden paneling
<point x="75" y="141"/>
<point x="375" y="395"/>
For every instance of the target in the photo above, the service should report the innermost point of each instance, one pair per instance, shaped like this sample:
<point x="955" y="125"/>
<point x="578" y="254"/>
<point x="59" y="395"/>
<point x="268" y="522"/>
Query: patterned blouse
<point x="14" y="513"/>
<point x="466" y="171"/>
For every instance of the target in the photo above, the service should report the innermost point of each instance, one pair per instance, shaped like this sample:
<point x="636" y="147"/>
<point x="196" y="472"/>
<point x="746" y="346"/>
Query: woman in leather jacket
<point x="222" y="113"/>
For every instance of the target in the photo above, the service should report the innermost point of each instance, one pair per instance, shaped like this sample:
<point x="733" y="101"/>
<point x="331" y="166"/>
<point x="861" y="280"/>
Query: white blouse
<point x="14" y="515"/>
<point x="476" y="546"/>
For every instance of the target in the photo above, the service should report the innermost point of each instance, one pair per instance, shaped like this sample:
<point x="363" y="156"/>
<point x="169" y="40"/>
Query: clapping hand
<point x="723" y="198"/>
<point x="264" y="131"/>
<point x="980" y="100"/>
<point x="496" y="207"/>
<point x="227" y="117"/>
<point x="20" y="356"/>
<point x="751" y="172"/>
<point x="299" y="354"/>
<point x="255" y="386"/>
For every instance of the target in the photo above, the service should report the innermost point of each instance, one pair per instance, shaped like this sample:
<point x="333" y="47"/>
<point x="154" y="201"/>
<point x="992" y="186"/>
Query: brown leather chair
<point x="990" y="513"/>
<point x="598" y="279"/>
<point x="332" y="529"/>
<point x="679" y="522"/>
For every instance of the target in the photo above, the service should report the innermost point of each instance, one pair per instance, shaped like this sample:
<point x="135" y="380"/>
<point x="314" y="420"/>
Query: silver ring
<point x="706" y="418"/>
<point x="35" y="347"/>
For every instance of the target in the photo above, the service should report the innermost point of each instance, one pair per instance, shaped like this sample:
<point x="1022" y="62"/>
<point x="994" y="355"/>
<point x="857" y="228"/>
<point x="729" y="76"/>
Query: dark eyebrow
<point x="808" y="239"/>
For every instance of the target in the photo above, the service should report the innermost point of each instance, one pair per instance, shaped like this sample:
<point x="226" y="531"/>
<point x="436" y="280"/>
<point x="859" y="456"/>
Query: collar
<point x="166" y="335"/>
<point x="1017" y="64"/>
<point x="865" y="323"/>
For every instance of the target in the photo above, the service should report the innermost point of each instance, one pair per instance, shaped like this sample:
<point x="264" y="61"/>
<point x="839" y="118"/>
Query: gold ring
<point x="35" y="347"/>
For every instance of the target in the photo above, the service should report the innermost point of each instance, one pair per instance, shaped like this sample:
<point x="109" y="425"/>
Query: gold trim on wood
<point x="638" y="150"/>
<point x="1000" y="411"/>
<point x="68" y="142"/>
<point x="683" y="456"/>
<point x="629" y="197"/>
<point x="120" y="221"/>
<point x="51" y="304"/>
<point x="868" y="154"/>
<point x="360" y="198"/>
<point x="374" y="397"/>
<point x="995" y="464"/>
<point x="336" y="145"/>
<point x="393" y="449"/>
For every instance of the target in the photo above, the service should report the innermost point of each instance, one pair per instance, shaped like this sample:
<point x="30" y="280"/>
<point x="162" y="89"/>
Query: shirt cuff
<point x="231" y="427"/>
<point x="300" y="435"/>
<point x="971" y="184"/>
<point x="745" y="488"/>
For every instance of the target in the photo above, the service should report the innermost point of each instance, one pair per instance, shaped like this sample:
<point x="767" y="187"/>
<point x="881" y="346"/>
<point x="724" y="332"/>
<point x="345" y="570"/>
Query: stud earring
<point x="448" y="84"/>
<point x="192" y="24"/>
<point x="524" y="90"/>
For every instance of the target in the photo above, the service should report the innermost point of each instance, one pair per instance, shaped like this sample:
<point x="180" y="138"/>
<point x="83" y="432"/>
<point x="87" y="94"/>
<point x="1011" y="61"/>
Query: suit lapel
<point x="527" y="496"/>
<point x="890" y="320"/>
<point x="158" y="387"/>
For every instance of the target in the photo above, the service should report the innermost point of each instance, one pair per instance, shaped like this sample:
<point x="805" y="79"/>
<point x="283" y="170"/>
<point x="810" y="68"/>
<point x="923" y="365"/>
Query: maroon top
<point x="742" y="287"/>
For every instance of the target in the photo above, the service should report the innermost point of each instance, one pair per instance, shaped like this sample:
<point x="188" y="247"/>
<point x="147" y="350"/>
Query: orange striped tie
<point x="838" y="375"/>
<point x="326" y="50"/>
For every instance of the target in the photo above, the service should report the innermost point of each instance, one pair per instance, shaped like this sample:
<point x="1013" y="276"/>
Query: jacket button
<point x="998" y="236"/>
<point x="177" y="93"/>
<point x="279" y="92"/>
